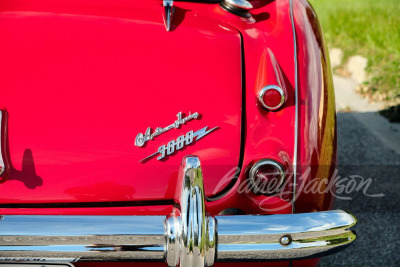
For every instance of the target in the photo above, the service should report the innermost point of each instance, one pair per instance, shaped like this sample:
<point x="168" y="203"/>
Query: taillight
<point x="271" y="97"/>
<point x="266" y="177"/>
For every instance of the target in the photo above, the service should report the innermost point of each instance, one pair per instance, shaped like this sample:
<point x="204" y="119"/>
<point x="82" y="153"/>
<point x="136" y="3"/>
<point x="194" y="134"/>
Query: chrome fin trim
<point x="2" y="165"/>
<point x="296" y="119"/>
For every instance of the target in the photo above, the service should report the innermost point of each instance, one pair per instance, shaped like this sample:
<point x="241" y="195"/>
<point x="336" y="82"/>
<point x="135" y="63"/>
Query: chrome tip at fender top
<point x="188" y="236"/>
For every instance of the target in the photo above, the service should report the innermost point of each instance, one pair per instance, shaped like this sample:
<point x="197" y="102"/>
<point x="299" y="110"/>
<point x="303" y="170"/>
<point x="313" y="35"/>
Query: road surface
<point x="369" y="146"/>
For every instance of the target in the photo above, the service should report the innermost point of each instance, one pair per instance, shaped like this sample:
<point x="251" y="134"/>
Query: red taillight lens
<point x="267" y="177"/>
<point x="271" y="97"/>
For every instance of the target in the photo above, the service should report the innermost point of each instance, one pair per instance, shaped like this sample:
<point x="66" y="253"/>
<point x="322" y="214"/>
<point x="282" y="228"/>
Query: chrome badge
<point x="141" y="139"/>
<point x="180" y="142"/>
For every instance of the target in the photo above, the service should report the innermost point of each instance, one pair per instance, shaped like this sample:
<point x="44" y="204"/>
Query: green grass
<point x="370" y="28"/>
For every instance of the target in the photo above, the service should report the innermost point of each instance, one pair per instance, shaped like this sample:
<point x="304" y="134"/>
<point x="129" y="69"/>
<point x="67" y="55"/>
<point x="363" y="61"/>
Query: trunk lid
<point x="80" y="84"/>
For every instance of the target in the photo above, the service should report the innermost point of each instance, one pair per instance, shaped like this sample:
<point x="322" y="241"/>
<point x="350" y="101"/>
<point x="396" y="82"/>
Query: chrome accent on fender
<point x="188" y="236"/>
<point x="2" y="165"/>
<point x="296" y="119"/>
<point x="168" y="13"/>
<point x="257" y="166"/>
<point x="264" y="90"/>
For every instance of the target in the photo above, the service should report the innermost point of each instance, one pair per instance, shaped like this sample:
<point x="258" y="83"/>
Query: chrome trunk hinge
<point x="168" y="13"/>
<point x="237" y="7"/>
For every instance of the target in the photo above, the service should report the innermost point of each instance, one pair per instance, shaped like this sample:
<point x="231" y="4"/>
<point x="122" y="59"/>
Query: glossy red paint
<point x="267" y="39"/>
<point x="317" y="122"/>
<point x="78" y="144"/>
<point x="81" y="74"/>
<point x="80" y="141"/>
<point x="80" y="84"/>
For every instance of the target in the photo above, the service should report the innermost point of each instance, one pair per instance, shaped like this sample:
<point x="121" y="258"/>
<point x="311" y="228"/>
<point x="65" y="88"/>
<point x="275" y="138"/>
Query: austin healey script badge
<point x="141" y="139"/>
<point x="176" y="144"/>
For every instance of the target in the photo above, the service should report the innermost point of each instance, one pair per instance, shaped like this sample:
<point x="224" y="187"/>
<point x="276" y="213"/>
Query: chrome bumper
<point x="188" y="236"/>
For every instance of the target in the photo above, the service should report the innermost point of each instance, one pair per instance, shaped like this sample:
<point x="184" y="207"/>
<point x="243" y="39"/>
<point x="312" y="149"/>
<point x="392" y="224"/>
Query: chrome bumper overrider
<point x="188" y="236"/>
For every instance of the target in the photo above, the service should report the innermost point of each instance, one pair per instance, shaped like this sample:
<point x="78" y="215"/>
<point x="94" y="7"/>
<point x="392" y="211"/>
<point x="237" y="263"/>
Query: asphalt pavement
<point x="368" y="147"/>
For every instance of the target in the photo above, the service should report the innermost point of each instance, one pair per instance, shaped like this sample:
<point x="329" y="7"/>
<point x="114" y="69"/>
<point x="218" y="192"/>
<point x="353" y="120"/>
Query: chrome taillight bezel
<point x="253" y="171"/>
<point x="266" y="89"/>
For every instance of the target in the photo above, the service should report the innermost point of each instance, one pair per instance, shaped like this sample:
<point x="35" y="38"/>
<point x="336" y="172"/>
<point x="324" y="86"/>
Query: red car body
<point x="81" y="78"/>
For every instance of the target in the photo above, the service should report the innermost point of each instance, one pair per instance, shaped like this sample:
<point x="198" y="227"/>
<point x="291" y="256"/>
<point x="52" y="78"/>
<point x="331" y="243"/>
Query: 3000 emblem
<point x="173" y="145"/>
<point x="180" y="142"/>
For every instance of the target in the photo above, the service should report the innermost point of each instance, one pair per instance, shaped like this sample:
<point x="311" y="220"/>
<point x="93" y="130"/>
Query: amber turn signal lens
<point x="266" y="177"/>
<point x="271" y="97"/>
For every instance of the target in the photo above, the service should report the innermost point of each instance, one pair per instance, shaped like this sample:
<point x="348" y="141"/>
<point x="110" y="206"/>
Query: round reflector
<point x="266" y="177"/>
<point x="271" y="97"/>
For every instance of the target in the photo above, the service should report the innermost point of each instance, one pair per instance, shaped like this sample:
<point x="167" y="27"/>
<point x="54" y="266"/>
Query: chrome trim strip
<point x="83" y="237"/>
<point x="188" y="236"/>
<point x="296" y="120"/>
<point x="60" y="262"/>
<point x="259" y="237"/>
<point x="2" y="165"/>
<point x="19" y="225"/>
<point x="259" y="225"/>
